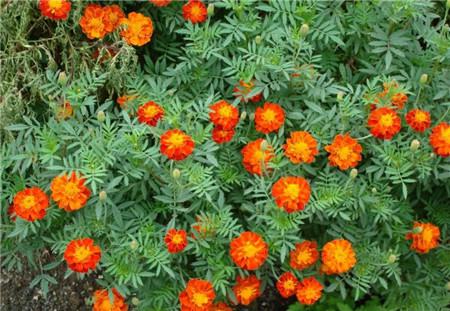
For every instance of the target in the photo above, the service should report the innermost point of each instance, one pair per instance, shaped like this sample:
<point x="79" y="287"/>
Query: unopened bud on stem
<point x="423" y="78"/>
<point x="258" y="39"/>
<point x="102" y="196"/>
<point x="243" y="115"/>
<point x="176" y="173"/>
<point x="304" y="29"/>
<point x="101" y="116"/>
<point x="210" y="9"/>
<point x="353" y="173"/>
<point x="392" y="258"/>
<point x="415" y="144"/>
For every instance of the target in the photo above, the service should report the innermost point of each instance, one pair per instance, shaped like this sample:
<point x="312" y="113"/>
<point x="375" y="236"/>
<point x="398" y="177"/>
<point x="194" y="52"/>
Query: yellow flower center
<point x="55" y="5"/>
<point x="303" y="257"/>
<point x="200" y="299"/>
<point x="195" y="11"/>
<point x="81" y="253"/>
<point x="309" y="293"/>
<point x="421" y="116"/>
<point x="71" y="189"/>
<point x="386" y="120"/>
<point x="247" y="292"/>
<point x="344" y="152"/>
<point x="446" y="135"/>
<point x="28" y="202"/>
<point x="150" y="111"/>
<point x="225" y="111"/>
<point x="269" y="115"/>
<point x="292" y="191"/>
<point x="340" y="255"/>
<point x="258" y="155"/>
<point x="427" y="235"/>
<point x="300" y="148"/>
<point x="176" y="140"/>
<point x="250" y="250"/>
<point x="177" y="239"/>
<point x="289" y="285"/>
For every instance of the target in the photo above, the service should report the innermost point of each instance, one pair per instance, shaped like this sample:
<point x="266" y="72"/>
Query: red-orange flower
<point x="399" y="100"/>
<point x="64" y="111"/>
<point x="269" y="118"/>
<point x="425" y="237"/>
<point x="221" y="306"/>
<point x="93" y="22"/>
<point x="291" y="193"/>
<point x="418" y="120"/>
<point x="55" y="9"/>
<point x="150" y="113"/>
<point x="195" y="11"/>
<point x="30" y="204"/>
<point x="254" y="159"/>
<point x="176" y="240"/>
<point x="384" y="123"/>
<point x="248" y="250"/>
<point x="176" y="144"/>
<point x="309" y="291"/>
<point x="69" y="193"/>
<point x="221" y="136"/>
<point x="338" y="257"/>
<point x="440" y="139"/>
<point x="82" y="255"/>
<point x="304" y="255"/>
<point x="113" y="15"/>
<point x="160" y="3"/>
<point x="301" y="147"/>
<point x="345" y="152"/>
<point x="224" y="115"/>
<point x="103" y="303"/>
<point x="138" y="29"/>
<point x="247" y="289"/>
<point x="123" y="100"/>
<point x="287" y="284"/>
<point x="198" y="296"/>
<point x="243" y="89"/>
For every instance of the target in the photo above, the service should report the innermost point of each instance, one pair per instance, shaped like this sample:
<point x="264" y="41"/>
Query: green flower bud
<point x="374" y="190"/>
<point x="134" y="245"/>
<point x="448" y="4"/>
<point x="353" y="173"/>
<point x="210" y="9"/>
<point x="102" y="196"/>
<point x="415" y="144"/>
<point x="340" y="96"/>
<point x="101" y="116"/>
<point x="243" y="115"/>
<point x="304" y="29"/>
<point x="135" y="301"/>
<point x="264" y="145"/>
<point x="252" y="116"/>
<point x="423" y="78"/>
<point x="258" y="39"/>
<point x="176" y="173"/>
<point x="448" y="286"/>
<point x="62" y="78"/>
<point x="392" y="258"/>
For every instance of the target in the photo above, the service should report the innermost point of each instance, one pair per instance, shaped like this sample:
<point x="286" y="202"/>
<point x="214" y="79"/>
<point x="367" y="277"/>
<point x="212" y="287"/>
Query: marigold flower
<point x="440" y="139"/>
<point x="150" y="113"/>
<point x="384" y="123"/>
<point x="160" y="3"/>
<point x="198" y="296"/>
<point x="254" y="159"/>
<point x="176" y="144"/>
<point x="338" y="257"/>
<point x="224" y="115"/>
<point x="69" y="193"/>
<point x="345" y="152"/>
<point x="425" y="237"/>
<point x="247" y="289"/>
<point x="243" y="89"/>
<point x="418" y="120"/>
<point x="93" y="22"/>
<point x="55" y="9"/>
<point x="195" y="11"/>
<point x="221" y="306"/>
<point x="221" y="136"/>
<point x="399" y="100"/>
<point x="269" y="118"/>
<point x="309" y="291"/>
<point x="176" y="240"/>
<point x="248" y="250"/>
<point x="64" y="111"/>
<point x="103" y="303"/>
<point x="123" y="100"/>
<point x="138" y="29"/>
<point x="82" y="255"/>
<point x="301" y="147"/>
<point x="113" y="16"/>
<point x="304" y="255"/>
<point x="287" y="284"/>
<point x="30" y="204"/>
<point x="291" y="193"/>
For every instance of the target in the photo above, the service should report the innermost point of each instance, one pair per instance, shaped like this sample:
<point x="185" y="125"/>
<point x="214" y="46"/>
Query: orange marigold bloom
<point x="55" y="9"/>
<point x="301" y="147"/>
<point x="176" y="240"/>
<point x="30" y="204"/>
<point x="160" y="3"/>
<point x="399" y="100"/>
<point x="93" y="22"/>
<point x="220" y="135"/>
<point x="309" y="291"/>
<point x="176" y="144"/>
<point x="418" y="120"/>
<point x="425" y="236"/>
<point x="224" y="115"/>
<point x="304" y="255"/>
<point x="64" y="111"/>
<point x="195" y="11"/>
<point x="269" y="118"/>
<point x="291" y="193"/>
<point x="150" y="113"/>
<point x="243" y="89"/>
<point x="198" y="296"/>
<point x="248" y="250"/>
<point x="440" y="139"/>
<point x="138" y="29"/>
<point x="287" y="284"/>
<point x="103" y="303"/>
<point x="221" y="306"/>
<point x="345" y="152"/>
<point x="247" y="289"/>
<point x="69" y="193"/>
<point x="338" y="257"/>
<point x="82" y="255"/>
<point x="113" y="16"/>
<point x="384" y="123"/>
<point x="254" y="159"/>
<point x="123" y="100"/>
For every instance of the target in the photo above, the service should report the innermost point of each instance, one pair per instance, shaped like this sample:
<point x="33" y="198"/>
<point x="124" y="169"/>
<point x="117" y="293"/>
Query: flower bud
<point x="448" y="286"/>
<point x="210" y="9"/>
<point x="448" y="4"/>
<point x="264" y="145"/>
<point x="258" y="39"/>
<point x="135" y="301"/>
<point x="101" y="116"/>
<point x="134" y="244"/>
<point x="340" y="96"/>
<point x="176" y="173"/>
<point x="243" y="115"/>
<point x="415" y="144"/>
<point x="374" y="190"/>
<point x="423" y="78"/>
<point x="62" y="78"/>
<point x="252" y="116"/>
<point x="392" y="258"/>
<point x="304" y="29"/>
<point x="353" y="173"/>
<point x="102" y="196"/>
<point x="432" y="155"/>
